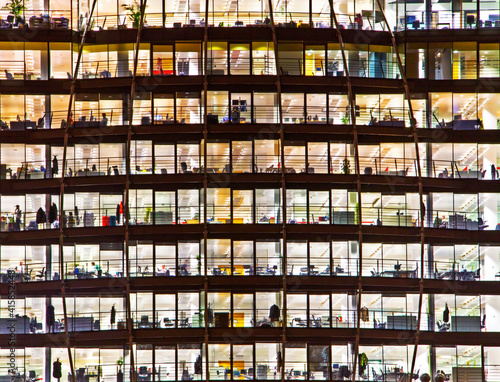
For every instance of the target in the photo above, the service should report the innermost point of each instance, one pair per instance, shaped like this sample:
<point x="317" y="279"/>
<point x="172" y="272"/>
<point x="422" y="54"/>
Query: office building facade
<point x="262" y="190"/>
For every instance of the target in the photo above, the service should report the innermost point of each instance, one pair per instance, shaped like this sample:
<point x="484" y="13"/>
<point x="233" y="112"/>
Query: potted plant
<point x="119" y="374"/>
<point x="198" y="257"/>
<point x="15" y="8"/>
<point x="346" y="166"/>
<point x="345" y="119"/>
<point x="134" y="12"/>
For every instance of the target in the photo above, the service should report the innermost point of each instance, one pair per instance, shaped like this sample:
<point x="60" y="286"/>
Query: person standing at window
<point x="18" y="214"/>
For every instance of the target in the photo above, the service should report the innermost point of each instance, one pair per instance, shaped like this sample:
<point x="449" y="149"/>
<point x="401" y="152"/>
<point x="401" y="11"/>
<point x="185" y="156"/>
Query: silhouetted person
<point x="113" y="315"/>
<point x="51" y="319"/>
<point x="494" y="172"/>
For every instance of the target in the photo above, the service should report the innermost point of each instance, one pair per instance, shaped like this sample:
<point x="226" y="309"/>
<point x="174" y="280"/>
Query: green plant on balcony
<point x="15" y="8"/>
<point x="119" y="362"/>
<point x="346" y="166"/>
<point x="134" y="12"/>
<point x="198" y="258"/>
<point x="119" y="373"/>
<point x="345" y="119"/>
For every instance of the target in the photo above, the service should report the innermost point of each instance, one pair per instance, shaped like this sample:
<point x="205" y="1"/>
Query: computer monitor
<point x="243" y="105"/>
<point x="235" y="102"/>
<point x="410" y="19"/>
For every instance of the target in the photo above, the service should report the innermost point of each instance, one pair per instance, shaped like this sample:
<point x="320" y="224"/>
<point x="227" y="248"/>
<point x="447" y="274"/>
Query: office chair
<point x="304" y="271"/>
<point x="164" y="171"/>
<point x="168" y="322"/>
<point x="32" y="376"/>
<point x="41" y="275"/>
<point x="184" y="168"/>
<point x="481" y="224"/>
<point x="8" y="75"/>
<point x="300" y="322"/>
<point x="477" y="274"/>
<point x="443" y="326"/>
<point x="144" y="322"/>
<point x="469" y="20"/>
<point x="80" y="374"/>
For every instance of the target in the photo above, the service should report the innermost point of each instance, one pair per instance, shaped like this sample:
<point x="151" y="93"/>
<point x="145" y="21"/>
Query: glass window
<point x="243" y="258"/>
<point x="217" y="107"/>
<point x="241" y="160"/>
<point x="164" y="110"/>
<point x="242" y="310"/>
<point x="165" y="260"/>
<point x="266" y="108"/>
<point x="263" y="58"/>
<point x="190" y="261"/>
<point x="241" y="108"/>
<point x="188" y="59"/>
<point x="291" y="59"/>
<point x="219" y="257"/>
<point x="239" y="58"/>
<point x="188" y="107"/>
<point x="269" y="258"/>
<point x="315" y="60"/>
<point x="292" y="105"/>
<point x="266" y="356"/>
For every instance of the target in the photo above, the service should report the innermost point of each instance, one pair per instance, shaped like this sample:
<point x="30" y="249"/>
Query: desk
<point x="465" y="124"/>
<point x="396" y="377"/>
<point x="458" y="221"/>
<point x="393" y="123"/>
<point x="22" y="325"/>
<point x="89" y="173"/>
<point x="394" y="173"/>
<point x="469" y="174"/>
<point x="161" y="121"/>
<point x="12" y="378"/>
<point x="458" y="275"/>
<point x="263" y="271"/>
<point x="60" y="22"/>
<point x="31" y="175"/>
<point x="81" y="275"/>
<point x="272" y="170"/>
<point x="16" y="277"/>
<point x="22" y="125"/>
<point x="87" y="124"/>
<point x="409" y="274"/>
<point x="163" y="72"/>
